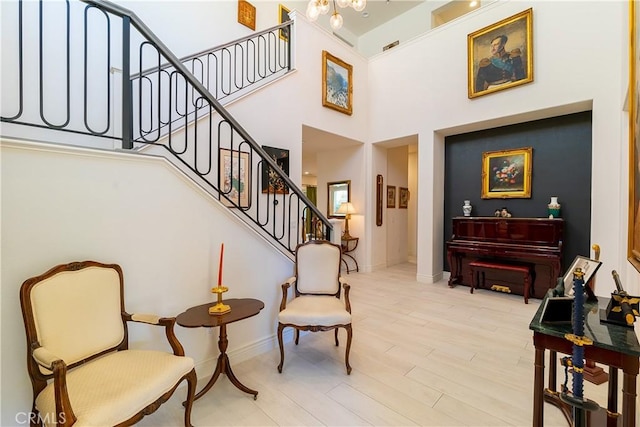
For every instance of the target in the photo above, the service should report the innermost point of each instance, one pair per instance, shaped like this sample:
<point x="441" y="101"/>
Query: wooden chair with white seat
<point x="316" y="304"/>
<point x="81" y="369"/>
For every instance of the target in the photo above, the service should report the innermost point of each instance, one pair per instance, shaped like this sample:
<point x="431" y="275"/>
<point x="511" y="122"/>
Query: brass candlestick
<point x="219" y="308"/>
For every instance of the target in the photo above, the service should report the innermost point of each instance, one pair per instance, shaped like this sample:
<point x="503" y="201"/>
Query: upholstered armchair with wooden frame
<point x="316" y="304"/>
<point x="76" y="328"/>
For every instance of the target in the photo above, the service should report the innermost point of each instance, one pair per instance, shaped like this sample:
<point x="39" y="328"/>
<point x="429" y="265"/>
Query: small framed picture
<point x="587" y="265"/>
<point x="272" y="181"/>
<point x="403" y="197"/>
<point x="247" y="14"/>
<point x="391" y="196"/>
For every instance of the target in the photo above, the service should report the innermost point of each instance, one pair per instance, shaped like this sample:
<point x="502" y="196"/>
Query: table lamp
<point x="347" y="209"/>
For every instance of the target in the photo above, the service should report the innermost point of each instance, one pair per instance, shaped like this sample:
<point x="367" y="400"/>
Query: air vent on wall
<point x="390" y="45"/>
<point x="343" y="39"/>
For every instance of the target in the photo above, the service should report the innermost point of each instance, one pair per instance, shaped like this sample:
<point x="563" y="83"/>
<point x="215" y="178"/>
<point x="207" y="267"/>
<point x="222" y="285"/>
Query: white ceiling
<point x="375" y="14"/>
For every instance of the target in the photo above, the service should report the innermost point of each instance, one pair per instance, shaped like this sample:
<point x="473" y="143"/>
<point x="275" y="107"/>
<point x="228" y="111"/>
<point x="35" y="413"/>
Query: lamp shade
<point x="346" y="208"/>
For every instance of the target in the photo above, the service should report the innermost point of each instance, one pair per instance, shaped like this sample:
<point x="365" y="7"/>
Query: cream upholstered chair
<point x="76" y="330"/>
<point x="316" y="304"/>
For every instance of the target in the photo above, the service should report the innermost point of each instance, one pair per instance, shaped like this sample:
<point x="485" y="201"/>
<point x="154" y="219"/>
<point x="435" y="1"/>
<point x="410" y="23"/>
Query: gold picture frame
<point x="506" y="174"/>
<point x="247" y="14"/>
<point x="500" y="56"/>
<point x="633" y="99"/>
<point x="337" y="84"/>
<point x="235" y="178"/>
<point x="283" y="16"/>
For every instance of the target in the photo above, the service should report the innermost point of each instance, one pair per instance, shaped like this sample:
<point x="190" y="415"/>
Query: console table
<point x="198" y="316"/>
<point x="349" y="244"/>
<point x="613" y="345"/>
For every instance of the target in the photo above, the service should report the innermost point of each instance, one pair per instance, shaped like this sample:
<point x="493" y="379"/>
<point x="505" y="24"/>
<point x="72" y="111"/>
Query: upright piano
<point x="533" y="241"/>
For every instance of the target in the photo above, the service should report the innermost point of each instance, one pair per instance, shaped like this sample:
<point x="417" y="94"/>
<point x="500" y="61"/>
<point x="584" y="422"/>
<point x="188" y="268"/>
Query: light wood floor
<point x="421" y="355"/>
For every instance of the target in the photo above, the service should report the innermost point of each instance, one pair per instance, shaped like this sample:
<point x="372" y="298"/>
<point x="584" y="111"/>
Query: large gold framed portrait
<point x="500" y="56"/>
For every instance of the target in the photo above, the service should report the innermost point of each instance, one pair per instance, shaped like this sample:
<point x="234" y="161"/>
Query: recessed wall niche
<point x="561" y="166"/>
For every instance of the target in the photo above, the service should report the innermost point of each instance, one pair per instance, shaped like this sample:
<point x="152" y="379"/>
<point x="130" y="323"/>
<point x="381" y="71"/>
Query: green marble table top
<point x="606" y="335"/>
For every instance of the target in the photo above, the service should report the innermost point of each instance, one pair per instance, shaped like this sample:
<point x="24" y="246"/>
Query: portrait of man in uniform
<point x="500" y="55"/>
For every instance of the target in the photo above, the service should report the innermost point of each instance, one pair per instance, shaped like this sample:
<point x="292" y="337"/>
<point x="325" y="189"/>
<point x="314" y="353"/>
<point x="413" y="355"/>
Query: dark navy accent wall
<point x="561" y="166"/>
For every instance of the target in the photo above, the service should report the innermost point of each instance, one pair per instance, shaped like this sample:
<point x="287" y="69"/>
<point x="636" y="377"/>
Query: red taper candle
<point x="220" y="268"/>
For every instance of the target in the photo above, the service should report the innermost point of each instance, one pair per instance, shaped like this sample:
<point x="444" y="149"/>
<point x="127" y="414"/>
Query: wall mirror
<point x="337" y="193"/>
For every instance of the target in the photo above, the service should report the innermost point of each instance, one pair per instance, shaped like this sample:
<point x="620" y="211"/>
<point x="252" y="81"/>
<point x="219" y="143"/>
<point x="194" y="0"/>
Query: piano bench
<point x="478" y="267"/>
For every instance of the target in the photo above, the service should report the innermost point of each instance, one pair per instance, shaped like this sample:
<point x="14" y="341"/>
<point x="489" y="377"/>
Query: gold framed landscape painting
<point x="500" y="56"/>
<point x="506" y="174"/>
<point x="337" y="84"/>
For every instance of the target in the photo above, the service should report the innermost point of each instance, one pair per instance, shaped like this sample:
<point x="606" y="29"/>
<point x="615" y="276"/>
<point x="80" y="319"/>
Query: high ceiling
<point x="375" y="14"/>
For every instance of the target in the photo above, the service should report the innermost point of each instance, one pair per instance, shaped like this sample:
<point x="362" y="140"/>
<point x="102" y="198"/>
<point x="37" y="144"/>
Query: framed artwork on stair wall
<point x="235" y="178"/>
<point x="247" y="14"/>
<point x="272" y="181"/>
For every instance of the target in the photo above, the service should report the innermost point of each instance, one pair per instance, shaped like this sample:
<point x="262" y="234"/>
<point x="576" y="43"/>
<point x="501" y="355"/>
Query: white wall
<point x="412" y="214"/>
<point x="397" y="219"/>
<point x="341" y="165"/>
<point x="377" y="162"/>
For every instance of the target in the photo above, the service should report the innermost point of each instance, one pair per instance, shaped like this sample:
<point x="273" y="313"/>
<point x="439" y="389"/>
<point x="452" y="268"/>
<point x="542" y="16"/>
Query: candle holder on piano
<point x="219" y="308"/>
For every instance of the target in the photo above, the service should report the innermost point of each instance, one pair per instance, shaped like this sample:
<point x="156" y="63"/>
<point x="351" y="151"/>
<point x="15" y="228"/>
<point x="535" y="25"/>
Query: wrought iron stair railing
<point x="159" y="100"/>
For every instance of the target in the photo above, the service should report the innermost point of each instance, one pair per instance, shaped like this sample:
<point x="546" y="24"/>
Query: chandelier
<point x="316" y="8"/>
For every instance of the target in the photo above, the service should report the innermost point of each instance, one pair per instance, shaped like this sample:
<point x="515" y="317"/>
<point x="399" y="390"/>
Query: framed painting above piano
<point x="532" y="241"/>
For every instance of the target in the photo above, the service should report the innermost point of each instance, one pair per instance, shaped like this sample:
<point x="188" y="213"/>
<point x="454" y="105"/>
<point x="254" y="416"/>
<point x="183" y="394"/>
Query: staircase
<point x="91" y="73"/>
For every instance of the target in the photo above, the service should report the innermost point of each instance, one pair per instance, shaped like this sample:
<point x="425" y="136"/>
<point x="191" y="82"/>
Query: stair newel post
<point x="127" y="98"/>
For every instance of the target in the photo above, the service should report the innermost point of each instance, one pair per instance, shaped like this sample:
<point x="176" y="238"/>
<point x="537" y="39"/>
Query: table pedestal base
<point x="224" y="367"/>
